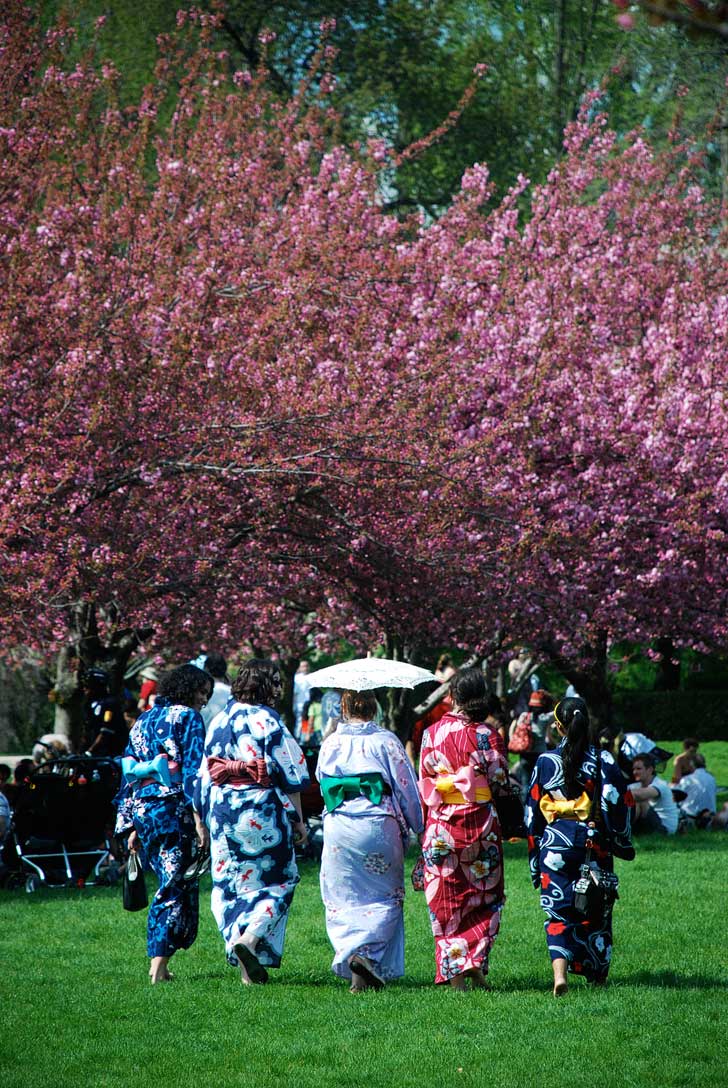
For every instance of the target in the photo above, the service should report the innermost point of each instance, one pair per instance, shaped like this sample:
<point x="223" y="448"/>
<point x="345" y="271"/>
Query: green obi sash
<point x="337" y="790"/>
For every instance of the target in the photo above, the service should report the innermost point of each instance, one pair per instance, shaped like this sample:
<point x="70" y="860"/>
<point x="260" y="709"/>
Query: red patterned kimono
<point x="462" y="848"/>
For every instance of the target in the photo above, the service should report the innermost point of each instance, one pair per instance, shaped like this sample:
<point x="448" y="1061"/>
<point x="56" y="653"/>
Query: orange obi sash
<point x="577" y="808"/>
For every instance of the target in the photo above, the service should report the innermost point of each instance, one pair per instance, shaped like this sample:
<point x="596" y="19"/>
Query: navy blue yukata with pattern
<point x="254" y="872"/>
<point x="162" y="817"/>
<point x="557" y="850"/>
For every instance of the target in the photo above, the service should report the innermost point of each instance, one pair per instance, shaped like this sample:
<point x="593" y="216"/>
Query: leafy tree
<point x="402" y="66"/>
<point x="245" y="403"/>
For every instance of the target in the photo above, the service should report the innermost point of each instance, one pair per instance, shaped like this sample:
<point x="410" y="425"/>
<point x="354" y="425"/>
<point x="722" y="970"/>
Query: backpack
<point x="521" y="736"/>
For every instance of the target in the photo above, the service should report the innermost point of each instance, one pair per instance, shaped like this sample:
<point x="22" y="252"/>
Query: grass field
<point x="78" y="1010"/>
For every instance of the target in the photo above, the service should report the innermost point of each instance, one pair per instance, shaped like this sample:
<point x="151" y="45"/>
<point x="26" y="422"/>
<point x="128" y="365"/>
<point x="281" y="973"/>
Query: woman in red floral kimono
<point x="462" y="758"/>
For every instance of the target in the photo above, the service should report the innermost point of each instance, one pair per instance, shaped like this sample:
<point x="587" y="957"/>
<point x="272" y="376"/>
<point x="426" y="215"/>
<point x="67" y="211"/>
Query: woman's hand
<point x="203" y="835"/>
<point x="133" y="843"/>
<point x="300" y="833"/>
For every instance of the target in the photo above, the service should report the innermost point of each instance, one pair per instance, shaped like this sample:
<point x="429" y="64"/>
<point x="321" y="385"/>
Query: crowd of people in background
<point x="210" y="768"/>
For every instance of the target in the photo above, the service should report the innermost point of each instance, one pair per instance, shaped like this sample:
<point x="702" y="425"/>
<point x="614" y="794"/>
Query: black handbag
<point x="133" y="887"/>
<point x="509" y="807"/>
<point x="596" y="889"/>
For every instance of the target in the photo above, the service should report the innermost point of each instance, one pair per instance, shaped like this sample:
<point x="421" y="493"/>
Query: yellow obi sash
<point x="450" y="795"/>
<point x="577" y="808"/>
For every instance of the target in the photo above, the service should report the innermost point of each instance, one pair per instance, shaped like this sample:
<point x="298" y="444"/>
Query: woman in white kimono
<point x="372" y="802"/>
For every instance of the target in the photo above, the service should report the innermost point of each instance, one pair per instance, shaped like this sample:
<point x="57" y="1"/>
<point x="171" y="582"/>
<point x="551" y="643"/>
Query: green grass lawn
<point x="78" y="1009"/>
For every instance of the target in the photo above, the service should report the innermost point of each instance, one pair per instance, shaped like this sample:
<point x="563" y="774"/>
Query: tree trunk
<point x="87" y="650"/>
<point x="559" y="49"/>
<point x="67" y="694"/>
<point x="668" y="668"/>
<point x="590" y="679"/>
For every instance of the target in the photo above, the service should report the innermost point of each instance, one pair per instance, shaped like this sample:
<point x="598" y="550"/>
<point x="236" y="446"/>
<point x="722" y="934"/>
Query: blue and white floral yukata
<point x="557" y="836"/>
<point x="254" y="870"/>
<point x="157" y="804"/>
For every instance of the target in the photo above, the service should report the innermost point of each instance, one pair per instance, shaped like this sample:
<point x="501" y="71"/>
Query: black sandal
<point x="255" y="970"/>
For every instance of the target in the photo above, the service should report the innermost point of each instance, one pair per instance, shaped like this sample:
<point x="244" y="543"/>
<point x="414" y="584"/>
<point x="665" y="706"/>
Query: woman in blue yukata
<point x="562" y="838"/>
<point x="248" y="794"/>
<point x="372" y="801"/>
<point x="159" y="770"/>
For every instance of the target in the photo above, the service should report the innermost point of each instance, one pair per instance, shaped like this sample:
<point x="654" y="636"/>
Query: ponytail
<point x="573" y="715"/>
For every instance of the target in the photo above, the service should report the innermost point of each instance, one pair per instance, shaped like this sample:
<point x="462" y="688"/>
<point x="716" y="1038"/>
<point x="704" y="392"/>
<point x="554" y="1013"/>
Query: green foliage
<point x="403" y="65"/>
<point x="78" y="1008"/>
<point x="673" y="714"/>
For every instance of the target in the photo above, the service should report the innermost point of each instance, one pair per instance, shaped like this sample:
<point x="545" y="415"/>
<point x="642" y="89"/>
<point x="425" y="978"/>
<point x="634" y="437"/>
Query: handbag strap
<point x="595" y="810"/>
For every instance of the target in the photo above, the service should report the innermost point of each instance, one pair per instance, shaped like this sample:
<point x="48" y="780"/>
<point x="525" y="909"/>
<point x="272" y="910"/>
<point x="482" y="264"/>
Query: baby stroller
<point x="62" y="822"/>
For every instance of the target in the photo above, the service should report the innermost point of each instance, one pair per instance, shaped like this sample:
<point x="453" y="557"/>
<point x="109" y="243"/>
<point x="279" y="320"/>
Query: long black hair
<point x="572" y="714"/>
<point x="470" y="693"/>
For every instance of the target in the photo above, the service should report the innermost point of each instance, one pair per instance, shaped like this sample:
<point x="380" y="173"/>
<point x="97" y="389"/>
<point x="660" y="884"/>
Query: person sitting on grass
<point x="685" y="761"/>
<point x="699" y="804"/>
<point x="655" y="809"/>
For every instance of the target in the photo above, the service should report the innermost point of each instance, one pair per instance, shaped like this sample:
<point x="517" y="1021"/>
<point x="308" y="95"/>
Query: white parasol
<point x="366" y="673"/>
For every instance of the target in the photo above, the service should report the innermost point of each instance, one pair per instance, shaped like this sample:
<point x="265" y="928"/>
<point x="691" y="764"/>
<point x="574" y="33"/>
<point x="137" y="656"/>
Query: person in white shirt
<point x="301" y="690"/>
<point x="700" y="791"/>
<point x="655" y="808"/>
<point x="216" y="665"/>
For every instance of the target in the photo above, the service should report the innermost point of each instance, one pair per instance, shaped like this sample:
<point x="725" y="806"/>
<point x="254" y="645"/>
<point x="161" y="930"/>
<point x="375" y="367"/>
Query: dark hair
<point x="690" y="742"/>
<point x="257" y="682"/>
<point x="216" y="665"/>
<point x="358" y="704"/>
<point x="181" y="685"/>
<point x="646" y="758"/>
<point x="470" y="693"/>
<point x="5" y="769"/>
<point x="23" y="769"/>
<point x="572" y="714"/>
<point x="96" y="680"/>
<point x="443" y="661"/>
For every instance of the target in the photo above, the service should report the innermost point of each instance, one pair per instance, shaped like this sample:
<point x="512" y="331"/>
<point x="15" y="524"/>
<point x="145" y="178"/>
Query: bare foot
<point x="478" y="979"/>
<point x="159" y="971"/>
<point x="561" y="986"/>
<point x="458" y="983"/>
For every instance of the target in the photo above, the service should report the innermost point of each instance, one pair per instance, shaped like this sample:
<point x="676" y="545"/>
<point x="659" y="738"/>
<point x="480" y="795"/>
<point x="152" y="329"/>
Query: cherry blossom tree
<point x="245" y="405"/>
<point x="596" y="331"/>
<point x="208" y="424"/>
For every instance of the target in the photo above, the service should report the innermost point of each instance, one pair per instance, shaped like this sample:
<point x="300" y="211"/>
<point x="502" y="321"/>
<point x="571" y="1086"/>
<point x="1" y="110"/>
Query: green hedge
<point x="672" y="715"/>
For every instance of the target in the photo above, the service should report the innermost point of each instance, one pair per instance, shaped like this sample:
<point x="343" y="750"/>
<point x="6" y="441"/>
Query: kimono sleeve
<point x="191" y="740"/>
<point x="123" y="802"/>
<point x="616" y="805"/>
<point x="426" y="788"/>
<point x="403" y="783"/>
<point x="489" y="755"/>
<point x="201" y="792"/>
<point x="535" y="825"/>
<point x="285" y="760"/>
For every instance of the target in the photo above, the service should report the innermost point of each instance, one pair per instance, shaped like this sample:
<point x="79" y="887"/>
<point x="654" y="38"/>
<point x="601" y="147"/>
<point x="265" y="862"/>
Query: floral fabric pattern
<point x="556" y="852"/>
<point x="162" y="817"/>
<point x="462" y="850"/>
<point x="254" y="872"/>
<point x="362" y="867"/>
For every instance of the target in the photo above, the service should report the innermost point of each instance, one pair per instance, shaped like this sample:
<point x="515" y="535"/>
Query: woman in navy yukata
<point x="248" y="793"/>
<point x="559" y="828"/>
<point x="159" y="770"/>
